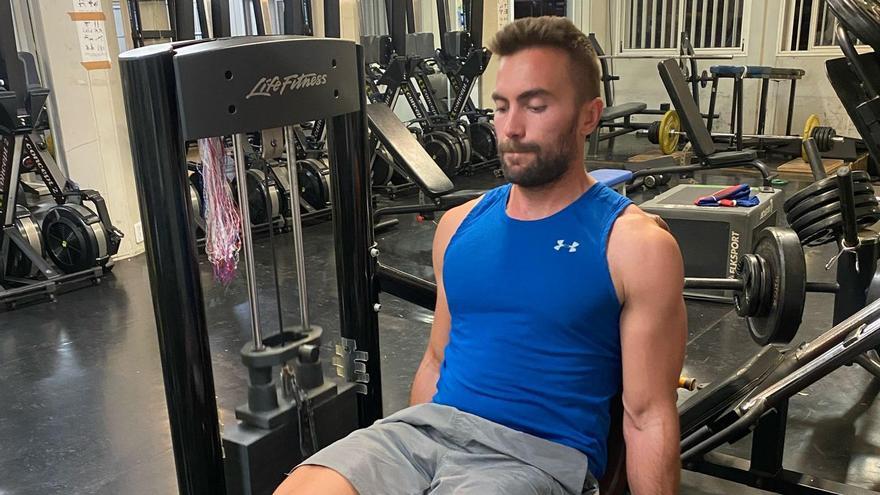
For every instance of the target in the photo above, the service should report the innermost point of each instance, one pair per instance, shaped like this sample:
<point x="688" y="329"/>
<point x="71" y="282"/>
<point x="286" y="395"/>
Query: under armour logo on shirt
<point x="561" y="244"/>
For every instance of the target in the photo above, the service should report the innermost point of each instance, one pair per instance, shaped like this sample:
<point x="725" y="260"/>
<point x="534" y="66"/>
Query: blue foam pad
<point x="611" y="177"/>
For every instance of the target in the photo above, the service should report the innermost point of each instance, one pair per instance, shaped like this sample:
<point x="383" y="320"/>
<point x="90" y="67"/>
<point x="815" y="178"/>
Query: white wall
<point x="88" y="117"/>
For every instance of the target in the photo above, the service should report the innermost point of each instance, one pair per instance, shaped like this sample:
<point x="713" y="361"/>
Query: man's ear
<point x="590" y="113"/>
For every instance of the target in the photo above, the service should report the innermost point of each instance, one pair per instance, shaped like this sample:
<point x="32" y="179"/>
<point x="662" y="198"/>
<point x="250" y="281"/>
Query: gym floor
<point x="83" y="409"/>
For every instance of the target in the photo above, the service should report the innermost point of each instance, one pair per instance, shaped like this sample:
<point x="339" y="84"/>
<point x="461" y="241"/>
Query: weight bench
<point x="612" y="113"/>
<point x="415" y="163"/>
<point x="707" y="155"/>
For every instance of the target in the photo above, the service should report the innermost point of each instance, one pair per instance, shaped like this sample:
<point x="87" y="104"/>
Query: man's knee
<point x="310" y="479"/>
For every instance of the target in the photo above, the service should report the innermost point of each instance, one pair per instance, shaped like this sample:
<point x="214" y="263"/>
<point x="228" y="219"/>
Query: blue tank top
<point x="535" y="338"/>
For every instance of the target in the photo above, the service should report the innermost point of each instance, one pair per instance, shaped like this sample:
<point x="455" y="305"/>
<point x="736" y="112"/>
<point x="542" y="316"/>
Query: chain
<point x="292" y="390"/>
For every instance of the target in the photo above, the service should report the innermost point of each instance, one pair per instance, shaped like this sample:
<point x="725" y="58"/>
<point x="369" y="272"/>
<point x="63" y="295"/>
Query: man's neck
<point x="535" y="203"/>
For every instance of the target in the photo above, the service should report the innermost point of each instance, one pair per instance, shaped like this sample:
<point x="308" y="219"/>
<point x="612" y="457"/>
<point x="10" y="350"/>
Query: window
<point x="538" y="8"/>
<point x="808" y="25"/>
<point x="658" y="24"/>
<point x="120" y="26"/>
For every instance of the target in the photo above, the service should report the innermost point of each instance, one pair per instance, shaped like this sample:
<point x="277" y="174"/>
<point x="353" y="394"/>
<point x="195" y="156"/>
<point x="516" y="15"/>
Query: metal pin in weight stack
<point x="297" y="227"/>
<point x="247" y="243"/>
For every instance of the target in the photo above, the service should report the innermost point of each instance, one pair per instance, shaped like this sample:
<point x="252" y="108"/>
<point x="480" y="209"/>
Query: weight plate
<point x="654" y="132"/>
<point x="73" y="236"/>
<point x="822" y="186"/>
<point x="824" y="199"/>
<point x="811" y="123"/>
<point x="670" y="126"/>
<point x="784" y="273"/>
<point x="824" y="137"/>
<point x="830" y="228"/>
<point x="314" y="182"/>
<point x="381" y="169"/>
<point x="441" y="151"/>
<point x="818" y="214"/>
<point x="484" y="142"/>
<point x="747" y="301"/>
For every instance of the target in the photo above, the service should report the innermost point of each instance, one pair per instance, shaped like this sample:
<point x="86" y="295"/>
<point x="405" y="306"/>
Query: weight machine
<point x="833" y="209"/>
<point x="48" y="247"/>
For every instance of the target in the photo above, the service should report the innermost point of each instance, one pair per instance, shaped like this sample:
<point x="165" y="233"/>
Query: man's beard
<point x="548" y="165"/>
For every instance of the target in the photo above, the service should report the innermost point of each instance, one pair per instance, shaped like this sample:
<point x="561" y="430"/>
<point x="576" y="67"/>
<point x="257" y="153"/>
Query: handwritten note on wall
<point x="503" y="13"/>
<point x="87" y="5"/>
<point x="90" y="24"/>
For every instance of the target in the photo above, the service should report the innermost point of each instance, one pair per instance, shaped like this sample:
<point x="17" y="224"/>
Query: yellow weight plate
<point x="670" y="126"/>
<point x="811" y="123"/>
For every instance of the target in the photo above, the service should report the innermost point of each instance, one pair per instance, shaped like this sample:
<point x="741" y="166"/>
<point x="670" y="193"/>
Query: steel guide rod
<point x="247" y="243"/>
<point x="296" y="228"/>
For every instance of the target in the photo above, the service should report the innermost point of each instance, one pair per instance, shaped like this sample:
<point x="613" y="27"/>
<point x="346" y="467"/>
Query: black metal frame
<point x="156" y="84"/>
<point x="736" y="111"/>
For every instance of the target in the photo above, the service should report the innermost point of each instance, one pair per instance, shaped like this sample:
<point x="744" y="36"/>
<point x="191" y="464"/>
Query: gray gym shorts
<point x="435" y="449"/>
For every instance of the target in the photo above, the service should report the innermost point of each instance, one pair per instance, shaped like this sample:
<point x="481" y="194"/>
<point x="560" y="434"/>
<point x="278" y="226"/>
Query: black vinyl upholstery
<point x="688" y="113"/>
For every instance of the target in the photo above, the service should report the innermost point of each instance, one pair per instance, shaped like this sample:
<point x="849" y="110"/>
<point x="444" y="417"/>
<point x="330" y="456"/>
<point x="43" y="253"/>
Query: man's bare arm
<point x="653" y="333"/>
<point x="425" y="382"/>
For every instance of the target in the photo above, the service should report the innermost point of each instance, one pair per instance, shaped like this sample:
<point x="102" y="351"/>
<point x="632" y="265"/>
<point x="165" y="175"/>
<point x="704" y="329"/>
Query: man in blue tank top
<point x="555" y="295"/>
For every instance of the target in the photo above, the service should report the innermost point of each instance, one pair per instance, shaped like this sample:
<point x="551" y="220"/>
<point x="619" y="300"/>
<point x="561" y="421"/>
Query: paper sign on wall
<point x="90" y="24"/>
<point x="503" y="13"/>
<point x="87" y="5"/>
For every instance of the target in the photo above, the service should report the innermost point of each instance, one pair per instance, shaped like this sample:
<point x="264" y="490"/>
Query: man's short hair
<point x="553" y="32"/>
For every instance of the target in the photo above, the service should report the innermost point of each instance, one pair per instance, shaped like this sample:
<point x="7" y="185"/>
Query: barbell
<point x="664" y="57"/>
<point x="770" y="286"/>
<point x="667" y="131"/>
